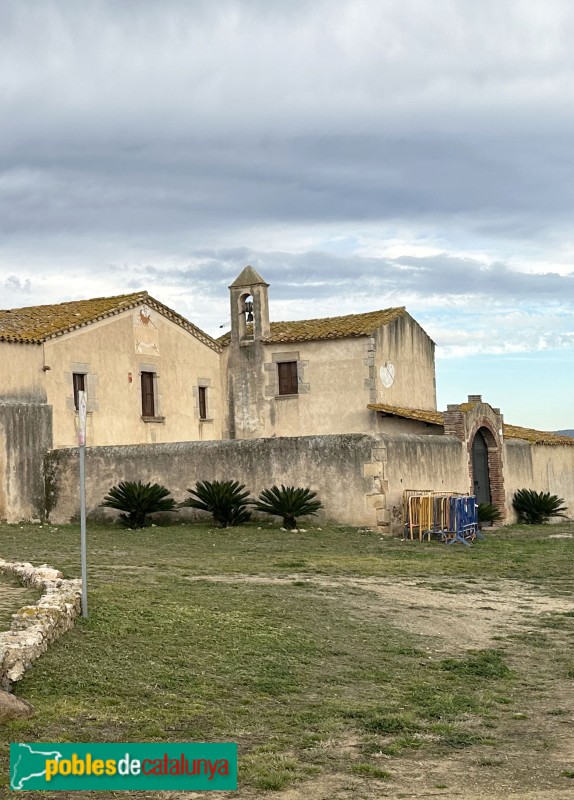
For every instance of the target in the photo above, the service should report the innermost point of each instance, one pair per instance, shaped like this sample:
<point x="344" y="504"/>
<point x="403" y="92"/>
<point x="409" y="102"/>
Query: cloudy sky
<point x="359" y="153"/>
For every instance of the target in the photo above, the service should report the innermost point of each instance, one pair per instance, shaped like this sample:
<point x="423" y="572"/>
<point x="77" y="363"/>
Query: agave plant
<point x="138" y="500"/>
<point x="536" y="508"/>
<point x="487" y="514"/>
<point x="288" y="502"/>
<point x="224" y="500"/>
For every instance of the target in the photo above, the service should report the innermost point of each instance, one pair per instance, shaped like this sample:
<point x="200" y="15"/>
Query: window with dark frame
<point x="287" y="374"/>
<point x="79" y="384"/>
<point x="148" y="399"/>
<point x="202" y="395"/>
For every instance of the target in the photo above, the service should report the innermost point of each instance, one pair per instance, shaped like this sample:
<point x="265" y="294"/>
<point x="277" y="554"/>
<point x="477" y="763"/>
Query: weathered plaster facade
<point x="547" y="468"/>
<point x="110" y="348"/>
<point x="25" y="437"/>
<point x="338" y="374"/>
<point x="21" y="375"/>
<point x="112" y="358"/>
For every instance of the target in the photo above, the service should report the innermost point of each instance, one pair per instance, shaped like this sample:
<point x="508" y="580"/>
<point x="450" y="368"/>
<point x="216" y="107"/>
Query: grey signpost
<point x="82" y="409"/>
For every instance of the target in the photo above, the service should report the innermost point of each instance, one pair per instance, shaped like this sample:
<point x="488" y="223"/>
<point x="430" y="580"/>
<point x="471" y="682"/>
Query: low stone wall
<point x="35" y="626"/>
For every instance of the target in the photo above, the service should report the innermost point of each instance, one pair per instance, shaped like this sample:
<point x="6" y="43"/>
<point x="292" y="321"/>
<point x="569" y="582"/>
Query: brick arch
<point x="495" y="467"/>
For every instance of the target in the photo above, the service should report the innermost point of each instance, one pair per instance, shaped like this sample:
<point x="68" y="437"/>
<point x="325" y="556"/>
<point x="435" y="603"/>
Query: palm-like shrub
<point x="138" y="500"/>
<point x="288" y="502"/>
<point x="487" y="514"/>
<point x="224" y="500"/>
<point x="536" y="508"/>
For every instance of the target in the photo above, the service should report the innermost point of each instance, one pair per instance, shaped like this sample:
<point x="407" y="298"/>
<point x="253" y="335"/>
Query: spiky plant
<point x="224" y="500"/>
<point x="288" y="502"/>
<point x="536" y="508"/>
<point x="487" y="514"/>
<point x="138" y="500"/>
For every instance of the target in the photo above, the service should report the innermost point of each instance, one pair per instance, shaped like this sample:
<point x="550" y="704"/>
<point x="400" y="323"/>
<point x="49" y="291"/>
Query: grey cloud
<point x="15" y="284"/>
<point x="323" y="275"/>
<point x="185" y="117"/>
<point x="201" y="186"/>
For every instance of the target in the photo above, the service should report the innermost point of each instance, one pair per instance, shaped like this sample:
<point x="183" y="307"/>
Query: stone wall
<point x="359" y="478"/>
<point x="25" y="437"/>
<point x="545" y="468"/>
<point x="334" y="466"/>
<point x="35" y="626"/>
<point x="424" y="462"/>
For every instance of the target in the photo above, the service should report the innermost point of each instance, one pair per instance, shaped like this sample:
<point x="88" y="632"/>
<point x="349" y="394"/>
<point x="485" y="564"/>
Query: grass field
<point x="344" y="665"/>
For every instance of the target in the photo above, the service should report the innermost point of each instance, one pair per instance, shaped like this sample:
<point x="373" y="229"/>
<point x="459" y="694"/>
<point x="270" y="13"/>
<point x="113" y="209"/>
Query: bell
<point x="249" y="311"/>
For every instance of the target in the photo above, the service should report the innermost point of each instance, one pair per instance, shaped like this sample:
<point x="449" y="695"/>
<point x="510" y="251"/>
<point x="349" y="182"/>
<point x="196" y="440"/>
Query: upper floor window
<point x="148" y="394"/>
<point x="287" y="374"/>
<point x="79" y="384"/>
<point x="202" y="398"/>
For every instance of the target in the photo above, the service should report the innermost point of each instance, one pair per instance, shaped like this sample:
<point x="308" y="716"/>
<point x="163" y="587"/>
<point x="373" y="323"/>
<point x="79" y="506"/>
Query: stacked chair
<point x="447" y="517"/>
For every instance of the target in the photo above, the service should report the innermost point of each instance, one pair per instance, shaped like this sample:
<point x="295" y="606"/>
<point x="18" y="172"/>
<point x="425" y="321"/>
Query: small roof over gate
<point x="436" y="418"/>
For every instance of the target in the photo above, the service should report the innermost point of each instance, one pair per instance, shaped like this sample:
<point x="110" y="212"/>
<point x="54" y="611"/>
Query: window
<point x="202" y="397"/>
<point x="148" y="397"/>
<point x="287" y="373"/>
<point x="79" y="384"/>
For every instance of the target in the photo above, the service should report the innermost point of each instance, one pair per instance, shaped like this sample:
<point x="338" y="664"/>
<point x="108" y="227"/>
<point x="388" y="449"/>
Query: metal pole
<point x="83" y="531"/>
<point x="82" y="409"/>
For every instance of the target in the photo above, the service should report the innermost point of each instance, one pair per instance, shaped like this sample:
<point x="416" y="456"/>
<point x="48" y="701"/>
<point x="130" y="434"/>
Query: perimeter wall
<point x="359" y="478"/>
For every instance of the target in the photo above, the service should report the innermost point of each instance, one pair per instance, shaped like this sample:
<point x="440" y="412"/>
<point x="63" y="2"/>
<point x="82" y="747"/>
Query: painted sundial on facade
<point x="145" y="332"/>
<point x="387" y="374"/>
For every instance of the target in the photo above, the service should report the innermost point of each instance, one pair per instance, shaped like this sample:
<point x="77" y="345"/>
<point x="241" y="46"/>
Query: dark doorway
<point x="480" y="474"/>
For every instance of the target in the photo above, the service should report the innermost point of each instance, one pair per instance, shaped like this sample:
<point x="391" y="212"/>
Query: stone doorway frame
<point x="464" y="421"/>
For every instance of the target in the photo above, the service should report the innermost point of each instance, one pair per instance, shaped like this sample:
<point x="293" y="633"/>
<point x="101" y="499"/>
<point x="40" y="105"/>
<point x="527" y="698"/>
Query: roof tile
<point x="509" y="431"/>
<point x="36" y="324"/>
<point x="308" y="330"/>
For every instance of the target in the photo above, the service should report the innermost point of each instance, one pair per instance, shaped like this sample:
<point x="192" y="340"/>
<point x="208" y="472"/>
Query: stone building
<point x="318" y="376"/>
<point x="149" y="374"/>
<point x="342" y="403"/>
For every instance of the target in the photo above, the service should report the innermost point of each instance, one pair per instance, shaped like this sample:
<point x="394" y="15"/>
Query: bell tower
<point x="249" y="308"/>
<point x="245" y="369"/>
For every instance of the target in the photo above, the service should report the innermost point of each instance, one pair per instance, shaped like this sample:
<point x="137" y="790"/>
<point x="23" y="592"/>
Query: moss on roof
<point x="420" y="414"/>
<point x="36" y="324"/>
<point x="509" y="431"/>
<point x="534" y="436"/>
<point x="308" y="330"/>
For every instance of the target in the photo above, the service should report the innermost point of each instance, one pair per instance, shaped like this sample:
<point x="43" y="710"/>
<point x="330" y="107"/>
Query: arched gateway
<point x="480" y="427"/>
<point x="480" y="469"/>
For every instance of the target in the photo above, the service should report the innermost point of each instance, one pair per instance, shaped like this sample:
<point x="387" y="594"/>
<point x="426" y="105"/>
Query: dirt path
<point x="458" y="615"/>
<point x="454" y="616"/>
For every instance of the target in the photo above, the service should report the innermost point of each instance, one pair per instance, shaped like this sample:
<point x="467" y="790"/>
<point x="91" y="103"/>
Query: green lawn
<point x="298" y="664"/>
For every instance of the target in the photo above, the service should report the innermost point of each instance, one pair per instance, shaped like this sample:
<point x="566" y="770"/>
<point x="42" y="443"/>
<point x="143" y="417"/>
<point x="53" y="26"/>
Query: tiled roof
<point x="509" y="431"/>
<point x="36" y="324"/>
<point x="309" y="330"/>
<point x="420" y="414"/>
<point x="534" y="436"/>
